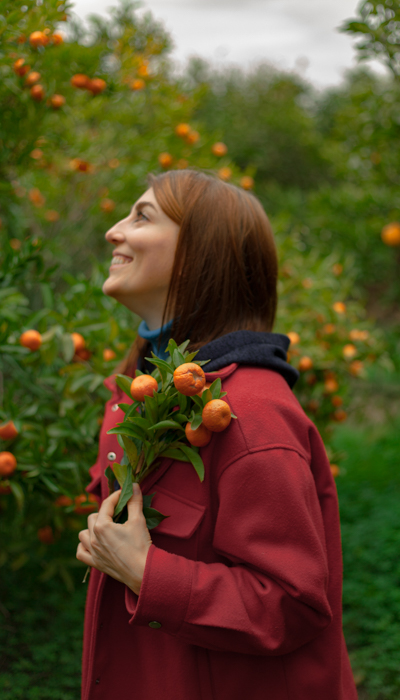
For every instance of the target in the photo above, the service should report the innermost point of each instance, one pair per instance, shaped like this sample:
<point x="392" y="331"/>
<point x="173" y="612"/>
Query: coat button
<point x="111" y="456"/>
<point x="97" y="681"/>
<point x="114" y="407"/>
<point x="155" y="625"/>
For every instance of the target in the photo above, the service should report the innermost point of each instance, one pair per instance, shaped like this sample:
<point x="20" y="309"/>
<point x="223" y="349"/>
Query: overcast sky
<point x="299" y="35"/>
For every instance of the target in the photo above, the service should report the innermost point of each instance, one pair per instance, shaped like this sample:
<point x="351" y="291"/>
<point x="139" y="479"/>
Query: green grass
<point x="41" y="628"/>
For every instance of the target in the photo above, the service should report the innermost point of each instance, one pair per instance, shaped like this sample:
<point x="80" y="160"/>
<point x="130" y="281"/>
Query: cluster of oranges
<point x="189" y="379"/>
<point x="93" y="85"/>
<point x="39" y="39"/>
<point x="32" y="340"/>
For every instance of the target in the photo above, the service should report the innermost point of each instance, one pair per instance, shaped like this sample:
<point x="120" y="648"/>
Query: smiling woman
<point x="238" y="591"/>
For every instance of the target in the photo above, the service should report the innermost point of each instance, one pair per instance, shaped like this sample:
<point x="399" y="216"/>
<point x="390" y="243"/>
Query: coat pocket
<point x="184" y="516"/>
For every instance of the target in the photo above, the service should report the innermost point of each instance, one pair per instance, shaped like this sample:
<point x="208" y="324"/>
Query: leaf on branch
<point x="153" y="517"/>
<point x="124" y="383"/>
<point x="126" y="493"/>
<point x="110" y="479"/>
<point x="195" y="459"/>
<point x="120" y="472"/>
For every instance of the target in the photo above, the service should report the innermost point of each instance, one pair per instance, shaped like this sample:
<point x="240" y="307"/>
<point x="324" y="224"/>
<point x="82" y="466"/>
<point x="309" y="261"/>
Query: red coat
<point x="241" y="595"/>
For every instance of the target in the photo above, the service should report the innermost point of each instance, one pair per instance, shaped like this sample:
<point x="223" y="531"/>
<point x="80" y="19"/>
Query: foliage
<point x="378" y="27"/>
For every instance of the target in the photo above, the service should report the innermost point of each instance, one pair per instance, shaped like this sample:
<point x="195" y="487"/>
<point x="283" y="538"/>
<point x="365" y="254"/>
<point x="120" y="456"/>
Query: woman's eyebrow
<point x="143" y="204"/>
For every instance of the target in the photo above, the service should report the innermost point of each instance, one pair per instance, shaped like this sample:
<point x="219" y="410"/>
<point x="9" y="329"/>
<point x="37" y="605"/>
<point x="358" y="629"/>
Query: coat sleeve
<point x="271" y="596"/>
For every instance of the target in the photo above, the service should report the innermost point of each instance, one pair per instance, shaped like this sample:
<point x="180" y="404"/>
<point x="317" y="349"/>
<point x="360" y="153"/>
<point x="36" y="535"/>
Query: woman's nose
<point x="114" y="235"/>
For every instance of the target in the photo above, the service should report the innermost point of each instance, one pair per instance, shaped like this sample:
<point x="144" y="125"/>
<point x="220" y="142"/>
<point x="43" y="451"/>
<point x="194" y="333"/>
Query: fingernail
<point x="136" y="487"/>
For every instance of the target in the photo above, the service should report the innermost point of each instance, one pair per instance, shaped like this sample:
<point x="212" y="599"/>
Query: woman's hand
<point x="118" y="550"/>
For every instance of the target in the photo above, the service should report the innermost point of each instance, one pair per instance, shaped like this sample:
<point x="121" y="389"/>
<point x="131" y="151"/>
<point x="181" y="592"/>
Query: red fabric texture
<point x="245" y="575"/>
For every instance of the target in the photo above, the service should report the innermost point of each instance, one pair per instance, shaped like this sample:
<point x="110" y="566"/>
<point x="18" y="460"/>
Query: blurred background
<point x="295" y="103"/>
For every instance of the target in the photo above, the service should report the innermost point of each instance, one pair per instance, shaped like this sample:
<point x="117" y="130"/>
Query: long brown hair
<point x="224" y="276"/>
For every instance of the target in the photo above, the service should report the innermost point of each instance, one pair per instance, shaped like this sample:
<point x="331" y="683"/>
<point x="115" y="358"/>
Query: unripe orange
<point x="8" y="463"/>
<point x="108" y="355"/>
<point x="143" y="385"/>
<point x="31" y="339"/>
<point x="37" y="92"/>
<point x="219" y="149"/>
<point x="32" y="78"/>
<point x="96" y="86"/>
<point x="305" y="363"/>
<point x="165" y="160"/>
<point x="38" y="39"/>
<point x="216" y="415"/>
<point x="78" y="341"/>
<point x="57" y="101"/>
<point x="8" y="431"/>
<point x="80" y="80"/>
<point x="189" y="379"/>
<point x="391" y="234"/>
<point x="199" y="437"/>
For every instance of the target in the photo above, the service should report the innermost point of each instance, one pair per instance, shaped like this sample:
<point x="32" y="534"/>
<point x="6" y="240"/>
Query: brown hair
<point x="224" y="276"/>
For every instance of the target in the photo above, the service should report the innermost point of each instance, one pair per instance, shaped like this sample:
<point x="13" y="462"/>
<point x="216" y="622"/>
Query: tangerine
<point x="56" y="39"/>
<point x="331" y="386"/>
<point x="36" y="197"/>
<point x="32" y="78"/>
<point x="305" y="363"/>
<point x="37" y="92"/>
<point x="391" y="234"/>
<point x="339" y="307"/>
<point x="96" y="86"/>
<point x="335" y="471"/>
<point x="247" y="182"/>
<point x="349" y="351"/>
<point x="337" y="269"/>
<point x="57" y="101"/>
<point x="31" y="339"/>
<point x="38" y="39"/>
<point x="45" y="535"/>
<point x="337" y="401"/>
<point x="80" y="80"/>
<point x="182" y="130"/>
<point x="138" y="84"/>
<point x="339" y="415"/>
<point x="78" y="341"/>
<point x="329" y="328"/>
<point x="51" y="215"/>
<point x="216" y="415"/>
<point x="63" y="501"/>
<point x="20" y="67"/>
<point x="81" y="505"/>
<point x="225" y="174"/>
<point x="294" y="338"/>
<point x="165" y="160"/>
<point x="189" y="379"/>
<point x="313" y="405"/>
<point x="5" y="489"/>
<point x="8" y="463"/>
<point x="107" y="205"/>
<point x="199" y="437"/>
<point x="108" y="354"/>
<point x="142" y="386"/>
<point x="192" y="137"/>
<point x="356" y="368"/>
<point x="82" y="354"/>
<point x="219" y="149"/>
<point x="8" y="431"/>
<point x="357" y="334"/>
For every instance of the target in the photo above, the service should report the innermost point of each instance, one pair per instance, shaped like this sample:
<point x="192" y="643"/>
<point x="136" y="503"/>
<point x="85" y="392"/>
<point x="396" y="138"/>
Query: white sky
<point x="300" y="35"/>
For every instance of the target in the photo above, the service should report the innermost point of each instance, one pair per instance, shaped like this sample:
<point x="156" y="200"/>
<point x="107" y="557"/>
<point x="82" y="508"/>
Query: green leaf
<point x="151" y="408"/>
<point x="132" y="410"/>
<point x="124" y="383"/>
<point x="138" y="373"/>
<point x="197" y="421"/>
<point x="50" y="485"/>
<point x="120" y="471"/>
<point x="110" y="478"/>
<point x="126" y="493"/>
<point x="153" y="517"/>
<point x="125" y="406"/>
<point x="131" y="450"/>
<point x="189" y="357"/>
<point x="67" y="347"/>
<point x="182" y="347"/>
<point x="215" y="388"/>
<point x="174" y="453"/>
<point x="198" y="401"/>
<point x="172" y="346"/>
<point x="233" y="416"/>
<point x="182" y="402"/>
<point x="195" y="459"/>
<point x="18" y="493"/>
<point x="206" y="396"/>
<point x="167" y="424"/>
<point x="161" y="364"/>
<point x="130" y="430"/>
<point x="140" y="421"/>
<point x="178" y="358"/>
<point x="147" y="499"/>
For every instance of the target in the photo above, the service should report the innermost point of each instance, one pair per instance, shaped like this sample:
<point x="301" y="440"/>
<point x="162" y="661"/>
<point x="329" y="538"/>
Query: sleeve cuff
<point x="165" y="591"/>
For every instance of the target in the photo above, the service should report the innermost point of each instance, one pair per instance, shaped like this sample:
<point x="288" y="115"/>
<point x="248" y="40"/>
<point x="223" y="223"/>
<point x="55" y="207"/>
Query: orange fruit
<point x="313" y="405"/>
<point x="335" y="470"/>
<point x="8" y="431"/>
<point x="15" y="244"/>
<point x="143" y="70"/>
<point x="142" y="386"/>
<point x="189" y="379"/>
<point x="165" y="160"/>
<point x="182" y="130"/>
<point x="199" y="437"/>
<point x="20" y="67"/>
<point x="337" y="269"/>
<point x="87" y="507"/>
<point x="78" y="341"/>
<point x="8" y="463"/>
<point x="356" y="368"/>
<point x="138" y="84"/>
<point x="182" y="163"/>
<point x="219" y="149"/>
<point x="108" y="355"/>
<point x="82" y="354"/>
<point x="96" y="86"/>
<point x="5" y="489"/>
<point x="339" y="307"/>
<point x="38" y="39"/>
<point x="31" y="339"/>
<point x="37" y="92"/>
<point x="329" y="328"/>
<point x="305" y="363"/>
<point x="107" y="205"/>
<point x="32" y="78"/>
<point x="307" y="283"/>
<point x="247" y="182"/>
<point x="339" y="415"/>
<point x="205" y="387"/>
<point x="216" y="415"/>
<point x="36" y="154"/>
<point x="80" y="80"/>
<point x="62" y="501"/>
<point x="45" y="535"/>
<point x="356" y="334"/>
<point x="225" y="174"/>
<point x="391" y="234"/>
<point x="293" y="337"/>
<point x="57" y="101"/>
<point x="331" y="386"/>
<point x="51" y="215"/>
<point x="82" y="165"/>
<point x="56" y="39"/>
<point x="192" y="137"/>
<point x="36" y="197"/>
<point x="337" y="401"/>
<point x="311" y="379"/>
<point x="349" y="351"/>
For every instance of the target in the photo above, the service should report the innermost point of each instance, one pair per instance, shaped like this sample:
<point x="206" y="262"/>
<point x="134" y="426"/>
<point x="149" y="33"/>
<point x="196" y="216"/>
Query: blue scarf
<point x="160" y="335"/>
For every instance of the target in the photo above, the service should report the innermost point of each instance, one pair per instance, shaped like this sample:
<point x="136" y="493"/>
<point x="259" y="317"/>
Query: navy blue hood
<point x="250" y="348"/>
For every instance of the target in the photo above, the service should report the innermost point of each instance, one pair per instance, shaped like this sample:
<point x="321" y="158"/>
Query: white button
<point x="111" y="455"/>
<point x="114" y="407"/>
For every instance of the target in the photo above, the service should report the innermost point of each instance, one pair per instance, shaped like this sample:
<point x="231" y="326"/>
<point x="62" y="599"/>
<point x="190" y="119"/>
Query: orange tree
<point x="70" y="168"/>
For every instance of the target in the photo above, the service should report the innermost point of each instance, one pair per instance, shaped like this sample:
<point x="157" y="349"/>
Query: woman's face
<point x="144" y="246"/>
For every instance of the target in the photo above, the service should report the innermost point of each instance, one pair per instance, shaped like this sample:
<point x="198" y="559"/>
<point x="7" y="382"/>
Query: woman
<point x="238" y="592"/>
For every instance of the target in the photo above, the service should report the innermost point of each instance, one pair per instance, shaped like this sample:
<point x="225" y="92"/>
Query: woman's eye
<point x="140" y="213"/>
